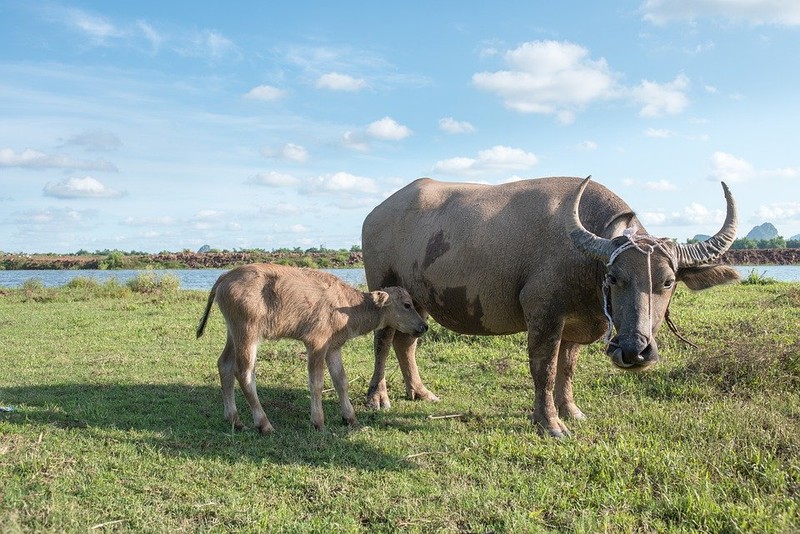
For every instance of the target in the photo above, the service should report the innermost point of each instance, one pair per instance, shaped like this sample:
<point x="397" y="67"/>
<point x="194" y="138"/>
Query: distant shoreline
<point x="179" y="260"/>
<point x="325" y="260"/>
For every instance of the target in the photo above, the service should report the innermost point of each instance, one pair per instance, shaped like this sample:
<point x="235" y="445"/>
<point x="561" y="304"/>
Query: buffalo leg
<point x="405" y="347"/>
<point x="226" y="364"/>
<point x="377" y="396"/>
<point x="339" y="378"/>
<point x="567" y="360"/>
<point x="543" y="347"/>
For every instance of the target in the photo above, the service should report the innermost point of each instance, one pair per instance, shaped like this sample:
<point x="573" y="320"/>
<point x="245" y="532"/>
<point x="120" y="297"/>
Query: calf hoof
<point x="554" y="429"/>
<point x="351" y="422"/>
<point x="571" y="411"/>
<point x="265" y="428"/>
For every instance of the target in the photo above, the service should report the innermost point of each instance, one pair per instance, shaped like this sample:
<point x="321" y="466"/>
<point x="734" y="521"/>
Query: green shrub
<point x="754" y="278"/>
<point x="148" y="282"/>
<point x="83" y="282"/>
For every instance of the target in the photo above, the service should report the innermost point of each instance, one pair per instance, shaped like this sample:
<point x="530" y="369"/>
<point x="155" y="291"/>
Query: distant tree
<point x="355" y="248"/>
<point x="744" y="243"/>
<point x="793" y="243"/>
<point x="775" y="242"/>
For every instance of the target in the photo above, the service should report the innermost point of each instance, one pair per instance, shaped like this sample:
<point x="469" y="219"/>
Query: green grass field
<point x="116" y="425"/>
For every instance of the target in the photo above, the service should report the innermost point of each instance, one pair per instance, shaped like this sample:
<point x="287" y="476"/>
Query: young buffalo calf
<point x="267" y="301"/>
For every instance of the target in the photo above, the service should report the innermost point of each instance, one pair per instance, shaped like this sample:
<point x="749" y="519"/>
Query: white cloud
<point x="450" y="125"/>
<point x="660" y="185"/>
<point x="299" y="229"/>
<point x="782" y="211"/>
<point x="659" y="133"/>
<point x="694" y="214"/>
<point x="87" y="187"/>
<point x="342" y="183"/>
<point x="355" y="140"/>
<point x="752" y="12"/>
<point x="549" y="77"/>
<point x="33" y="159"/>
<point x="388" y="129"/>
<point x="496" y="159"/>
<point x="340" y="82"/>
<point x="96" y="27"/>
<point x="587" y="145"/>
<point x="165" y="220"/>
<point x="728" y="168"/>
<point x="289" y="152"/>
<point x="273" y="179"/>
<point x="265" y="92"/>
<point x="658" y="99"/>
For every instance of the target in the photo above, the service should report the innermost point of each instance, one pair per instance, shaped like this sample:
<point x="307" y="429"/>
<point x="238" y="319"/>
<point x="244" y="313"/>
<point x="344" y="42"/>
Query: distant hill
<point x="764" y="232"/>
<point x="795" y="238"/>
<point x="701" y="237"/>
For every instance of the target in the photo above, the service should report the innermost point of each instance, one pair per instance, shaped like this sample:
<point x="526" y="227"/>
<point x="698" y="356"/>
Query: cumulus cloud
<point x="694" y="214"/>
<point x="87" y="187"/>
<point x="342" y="183"/>
<point x="659" y="133"/>
<point x="659" y="99"/>
<point x="299" y="229"/>
<point x="33" y="159"/>
<point x="728" y="168"/>
<point x="340" y="82"/>
<point x="387" y="129"/>
<point x="273" y="179"/>
<point x="265" y="93"/>
<point x="587" y="145"/>
<point x="289" y="152"/>
<point x="751" y="12"/>
<point x="661" y="185"/>
<point x="549" y="77"/>
<point x="355" y="140"/>
<point x="450" y="125"/>
<point x="493" y="160"/>
<point x="781" y="211"/>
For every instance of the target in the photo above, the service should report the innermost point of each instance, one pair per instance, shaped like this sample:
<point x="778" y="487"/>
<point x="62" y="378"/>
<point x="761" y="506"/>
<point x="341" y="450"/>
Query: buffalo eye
<point x="407" y="306"/>
<point x="669" y="283"/>
<point x="612" y="280"/>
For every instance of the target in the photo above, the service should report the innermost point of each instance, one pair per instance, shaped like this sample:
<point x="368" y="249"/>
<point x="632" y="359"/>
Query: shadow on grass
<point x="187" y="420"/>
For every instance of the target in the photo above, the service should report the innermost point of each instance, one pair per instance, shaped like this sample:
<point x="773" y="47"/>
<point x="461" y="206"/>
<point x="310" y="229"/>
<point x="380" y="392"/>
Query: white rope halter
<point x="636" y="241"/>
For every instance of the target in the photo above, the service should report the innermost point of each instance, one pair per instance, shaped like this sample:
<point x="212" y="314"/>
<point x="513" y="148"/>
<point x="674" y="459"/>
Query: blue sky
<point x="156" y="126"/>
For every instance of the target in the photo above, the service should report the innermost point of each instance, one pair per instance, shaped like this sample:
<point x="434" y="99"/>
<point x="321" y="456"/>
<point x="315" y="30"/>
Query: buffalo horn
<point x="713" y="247"/>
<point x="590" y="244"/>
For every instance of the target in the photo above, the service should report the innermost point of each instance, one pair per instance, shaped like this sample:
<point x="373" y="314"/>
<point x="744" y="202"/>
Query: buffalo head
<point x="641" y="275"/>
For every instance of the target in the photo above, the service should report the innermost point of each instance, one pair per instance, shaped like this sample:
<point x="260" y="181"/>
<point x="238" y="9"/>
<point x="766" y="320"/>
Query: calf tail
<point x="202" y="326"/>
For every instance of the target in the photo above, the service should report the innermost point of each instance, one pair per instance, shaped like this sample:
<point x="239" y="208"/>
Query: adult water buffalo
<point x="556" y="257"/>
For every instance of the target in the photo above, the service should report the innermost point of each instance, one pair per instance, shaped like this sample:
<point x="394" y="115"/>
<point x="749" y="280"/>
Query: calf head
<point x="399" y="312"/>
<point x="641" y="275"/>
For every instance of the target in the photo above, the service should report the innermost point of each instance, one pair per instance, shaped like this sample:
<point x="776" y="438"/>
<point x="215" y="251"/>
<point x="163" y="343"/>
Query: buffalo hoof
<point x="423" y="394"/>
<point x="378" y="397"/>
<point x="352" y="423"/>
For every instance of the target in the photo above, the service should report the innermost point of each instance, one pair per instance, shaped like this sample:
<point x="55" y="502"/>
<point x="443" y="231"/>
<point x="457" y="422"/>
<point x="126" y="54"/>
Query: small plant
<point x="82" y="282"/>
<point x="149" y="282"/>
<point x="754" y="278"/>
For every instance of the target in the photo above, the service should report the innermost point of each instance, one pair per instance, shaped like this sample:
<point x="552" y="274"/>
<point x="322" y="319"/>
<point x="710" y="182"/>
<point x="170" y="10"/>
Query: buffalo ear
<point x="705" y="276"/>
<point x="380" y="298"/>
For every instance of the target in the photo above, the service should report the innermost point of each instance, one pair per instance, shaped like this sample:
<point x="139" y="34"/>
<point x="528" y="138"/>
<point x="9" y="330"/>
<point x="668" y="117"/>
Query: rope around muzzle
<point x="636" y="242"/>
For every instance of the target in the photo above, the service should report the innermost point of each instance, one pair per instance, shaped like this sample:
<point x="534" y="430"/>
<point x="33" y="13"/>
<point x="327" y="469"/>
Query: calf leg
<point x="246" y="374"/>
<point x="316" y="379"/>
<point x="567" y="359"/>
<point x="339" y="378"/>
<point x="377" y="396"/>
<point x="226" y="365"/>
<point x="405" y="347"/>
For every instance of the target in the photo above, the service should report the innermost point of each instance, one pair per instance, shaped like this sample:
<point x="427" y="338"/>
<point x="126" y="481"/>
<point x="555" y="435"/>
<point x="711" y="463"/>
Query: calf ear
<point x="380" y="298"/>
<point x="706" y="276"/>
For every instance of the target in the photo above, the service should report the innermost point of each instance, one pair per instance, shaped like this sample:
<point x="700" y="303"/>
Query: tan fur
<point x="267" y="301"/>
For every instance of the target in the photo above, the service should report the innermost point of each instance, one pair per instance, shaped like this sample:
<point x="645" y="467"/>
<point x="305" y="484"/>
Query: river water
<point x="203" y="279"/>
